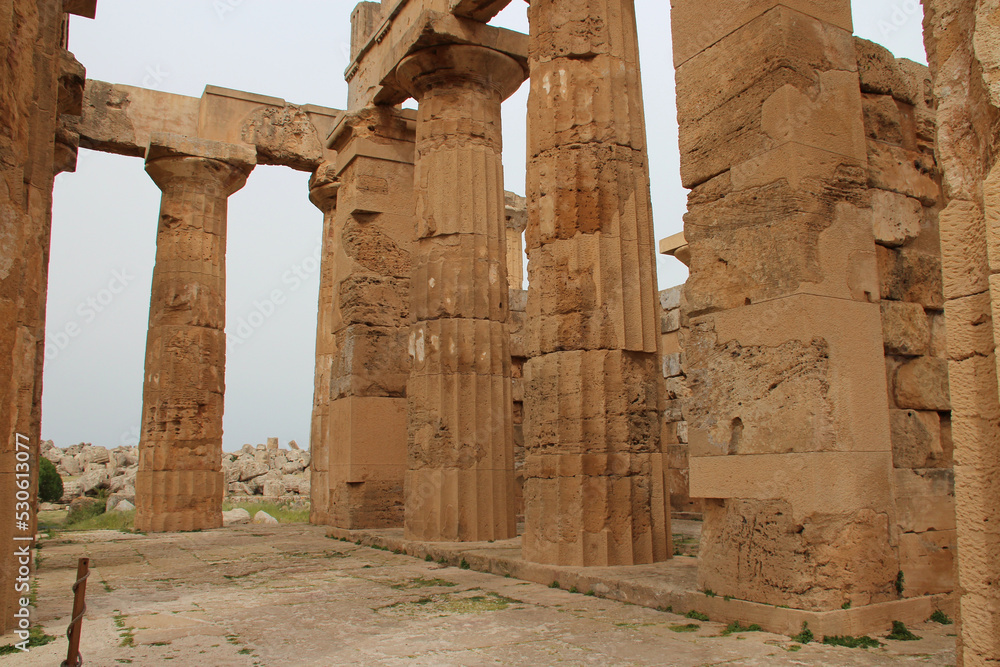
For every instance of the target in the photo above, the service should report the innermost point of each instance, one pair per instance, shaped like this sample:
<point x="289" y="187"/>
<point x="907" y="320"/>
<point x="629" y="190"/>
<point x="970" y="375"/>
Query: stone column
<point x="180" y="482"/>
<point x="594" y="483"/>
<point x="516" y="208"/>
<point x="323" y="189"/>
<point x="960" y="38"/>
<point x="359" y="427"/>
<point x="459" y="482"/>
<point x="32" y="100"/>
<point x="788" y="415"/>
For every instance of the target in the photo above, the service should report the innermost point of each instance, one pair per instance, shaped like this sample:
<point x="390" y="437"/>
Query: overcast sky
<point x="105" y="215"/>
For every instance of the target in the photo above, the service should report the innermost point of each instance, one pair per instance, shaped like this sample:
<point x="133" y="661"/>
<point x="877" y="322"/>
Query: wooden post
<point x="74" y="631"/>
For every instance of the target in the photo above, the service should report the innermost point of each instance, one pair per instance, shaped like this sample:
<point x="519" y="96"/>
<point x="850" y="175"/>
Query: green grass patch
<point x="940" y="617"/>
<point x="805" y="636"/>
<point x="852" y="642"/>
<point x="554" y="584"/>
<point x="696" y="616"/>
<point x="35" y="638"/>
<point x="690" y="627"/>
<point x="120" y="521"/>
<point x="736" y="627"/>
<point x="464" y="565"/>
<point x="420" y="582"/>
<point x="901" y="634"/>
<point x="286" y="512"/>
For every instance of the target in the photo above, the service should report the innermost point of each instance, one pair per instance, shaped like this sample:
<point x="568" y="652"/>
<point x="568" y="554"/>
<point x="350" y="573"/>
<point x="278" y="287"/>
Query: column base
<point x="178" y="500"/>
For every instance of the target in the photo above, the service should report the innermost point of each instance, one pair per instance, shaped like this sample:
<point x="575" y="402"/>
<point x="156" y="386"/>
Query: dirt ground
<point x="289" y="595"/>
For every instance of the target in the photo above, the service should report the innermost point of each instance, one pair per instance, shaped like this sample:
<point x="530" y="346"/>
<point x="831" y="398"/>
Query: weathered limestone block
<point x="884" y="119"/>
<point x="797" y="236"/>
<point x="963" y="250"/>
<point x="927" y="561"/>
<point x="905" y="328"/>
<point x="180" y="483"/>
<point x="925" y="499"/>
<point x="916" y="439"/>
<point x="784" y="76"/>
<point x="897" y="218"/>
<point x="922" y="384"/>
<point x="762" y="551"/>
<point x="882" y="74"/>
<point x="910" y="274"/>
<point x="904" y="171"/>
<point x="698" y="26"/>
<point x="592" y="308"/>
<point x="460" y="461"/>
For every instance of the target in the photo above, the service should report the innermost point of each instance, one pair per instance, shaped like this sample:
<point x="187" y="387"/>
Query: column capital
<point x="171" y="157"/>
<point x="477" y="65"/>
<point x="323" y="187"/>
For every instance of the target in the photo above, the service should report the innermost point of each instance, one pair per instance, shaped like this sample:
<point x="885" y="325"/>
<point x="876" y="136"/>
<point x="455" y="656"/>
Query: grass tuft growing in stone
<point x="736" y="627"/>
<point x="690" y="627"/>
<point x="900" y="633"/>
<point x="940" y="617"/>
<point x="852" y="642"/>
<point x="696" y="616"/>
<point x="805" y="636"/>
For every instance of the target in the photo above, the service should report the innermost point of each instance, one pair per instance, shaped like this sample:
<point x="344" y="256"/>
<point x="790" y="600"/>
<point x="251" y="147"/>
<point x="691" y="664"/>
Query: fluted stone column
<point x="180" y="481"/>
<point x="593" y="484"/>
<point x="323" y="189"/>
<point x="459" y="484"/>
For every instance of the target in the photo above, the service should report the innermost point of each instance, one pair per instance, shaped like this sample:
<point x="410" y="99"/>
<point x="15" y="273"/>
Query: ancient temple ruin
<point x="823" y="390"/>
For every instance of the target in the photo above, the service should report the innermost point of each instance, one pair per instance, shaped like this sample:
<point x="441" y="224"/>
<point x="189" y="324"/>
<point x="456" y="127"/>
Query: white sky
<point x="104" y="217"/>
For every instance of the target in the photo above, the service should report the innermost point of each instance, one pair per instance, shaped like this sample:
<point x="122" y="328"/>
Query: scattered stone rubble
<point x="264" y="471"/>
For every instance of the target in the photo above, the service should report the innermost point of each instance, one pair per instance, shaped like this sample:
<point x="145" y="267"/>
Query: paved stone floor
<point x="289" y="595"/>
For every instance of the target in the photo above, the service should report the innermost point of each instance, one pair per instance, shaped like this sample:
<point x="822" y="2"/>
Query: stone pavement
<point x="289" y="595"/>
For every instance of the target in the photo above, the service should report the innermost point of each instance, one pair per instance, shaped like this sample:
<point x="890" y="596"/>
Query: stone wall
<point x="899" y="114"/>
<point x="675" y="427"/>
<point x="961" y="39"/>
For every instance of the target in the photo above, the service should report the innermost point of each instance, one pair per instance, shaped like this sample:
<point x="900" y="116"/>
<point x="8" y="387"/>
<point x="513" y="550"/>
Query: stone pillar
<point x="517" y="220"/>
<point x="960" y="39"/>
<point x="364" y="19"/>
<point x="594" y="477"/>
<point x="459" y="481"/>
<point x="359" y="423"/>
<point x="180" y="482"/>
<point x="788" y="414"/>
<point x="323" y="188"/>
<point x="31" y="68"/>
